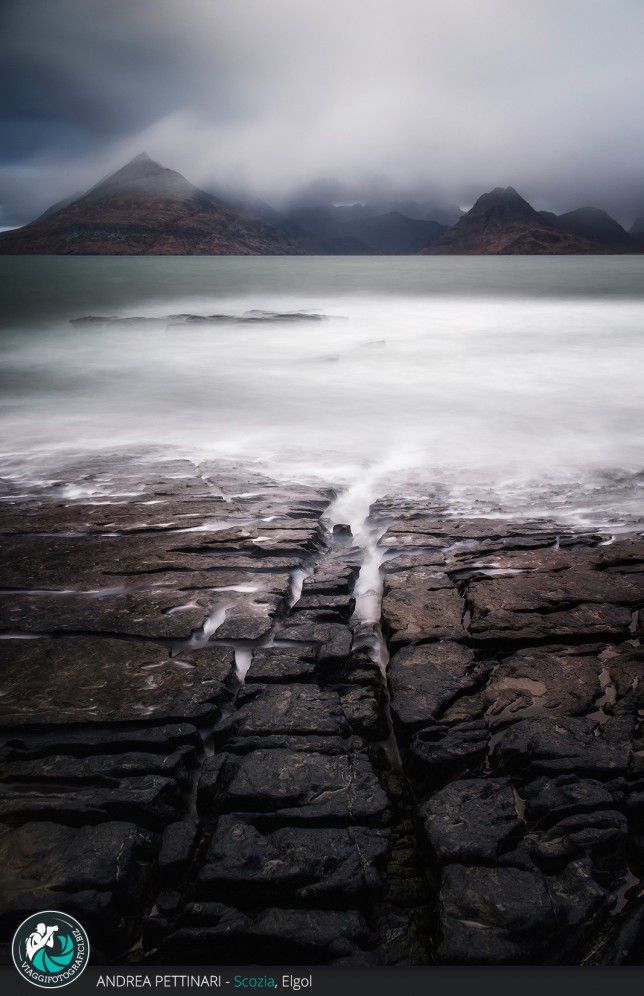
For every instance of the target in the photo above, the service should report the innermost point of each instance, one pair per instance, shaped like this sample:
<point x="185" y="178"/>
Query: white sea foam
<point x="505" y="395"/>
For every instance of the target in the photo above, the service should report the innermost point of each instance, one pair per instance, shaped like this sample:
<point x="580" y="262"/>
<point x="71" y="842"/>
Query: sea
<point x="495" y="386"/>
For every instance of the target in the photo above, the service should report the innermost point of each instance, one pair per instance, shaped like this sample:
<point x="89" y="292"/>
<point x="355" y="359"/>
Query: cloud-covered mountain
<point x="143" y="209"/>
<point x="502" y="222"/>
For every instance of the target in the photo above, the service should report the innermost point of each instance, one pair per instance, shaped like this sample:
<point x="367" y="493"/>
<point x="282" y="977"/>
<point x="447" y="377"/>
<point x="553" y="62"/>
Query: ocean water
<point x="499" y="385"/>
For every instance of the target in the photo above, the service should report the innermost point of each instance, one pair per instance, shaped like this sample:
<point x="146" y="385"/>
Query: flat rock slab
<point x="156" y="614"/>
<point x="330" y="608"/>
<point x="439" y="752"/>
<point x="537" y="606"/>
<point x="211" y="932"/>
<point x="70" y="681"/>
<point x="332" y="640"/>
<point x="96" y="739"/>
<point x="427" y="578"/>
<point x="424" y="680"/>
<point x="153" y="614"/>
<point x="83" y="562"/>
<point x="308" y="864"/>
<point x="102" y="769"/>
<point x="248" y="617"/>
<point x="471" y="820"/>
<point x="550" y="745"/>
<point x="323" y="934"/>
<point x="150" y="801"/>
<point x="567" y="680"/>
<point x="622" y="557"/>
<point x="331" y="578"/>
<point x="290" y="709"/>
<point x="496" y="916"/>
<point x="279" y="665"/>
<point x="109" y="857"/>
<point x="417" y="614"/>
<point x="112" y="515"/>
<point x="300" y="785"/>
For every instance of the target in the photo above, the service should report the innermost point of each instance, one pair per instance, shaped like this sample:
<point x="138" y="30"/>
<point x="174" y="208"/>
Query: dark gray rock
<point x="279" y="665"/>
<point x="538" y="606"/>
<point x="148" y="800"/>
<point x="83" y="741"/>
<point x="291" y="709"/>
<point x="101" y="769"/>
<point x="322" y="935"/>
<point x="250" y="617"/>
<point x="158" y="614"/>
<point x="355" y="669"/>
<point x="416" y="614"/>
<point x="121" y="680"/>
<point x="283" y="741"/>
<point x="566" y="680"/>
<point x="494" y="916"/>
<point x="177" y="848"/>
<point x="310" y="865"/>
<point x="99" y="912"/>
<point x="440" y="752"/>
<point x="328" y="608"/>
<point x="333" y="640"/>
<point x="471" y="820"/>
<point x="602" y="838"/>
<point x="303" y="786"/>
<point x="549" y="800"/>
<point x="331" y="578"/>
<point x="112" y="857"/>
<point x="209" y="776"/>
<point x="424" y="680"/>
<point x="558" y="745"/>
<point x="363" y="708"/>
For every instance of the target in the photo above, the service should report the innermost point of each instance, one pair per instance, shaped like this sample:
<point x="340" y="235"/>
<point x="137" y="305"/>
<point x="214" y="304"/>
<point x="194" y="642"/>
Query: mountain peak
<point x="142" y="157"/>
<point x="502" y="221"/>
<point x="508" y="193"/>
<point x="143" y="176"/>
<point x="145" y="209"/>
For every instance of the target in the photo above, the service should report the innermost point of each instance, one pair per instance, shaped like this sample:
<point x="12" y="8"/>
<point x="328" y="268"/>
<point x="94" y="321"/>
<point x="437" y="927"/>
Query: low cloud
<point x="410" y="97"/>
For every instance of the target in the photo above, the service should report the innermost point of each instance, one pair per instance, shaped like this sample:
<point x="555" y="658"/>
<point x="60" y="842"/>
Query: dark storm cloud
<point x="275" y="95"/>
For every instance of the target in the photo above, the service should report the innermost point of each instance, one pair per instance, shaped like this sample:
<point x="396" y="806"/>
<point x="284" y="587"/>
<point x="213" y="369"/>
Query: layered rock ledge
<point x="210" y="755"/>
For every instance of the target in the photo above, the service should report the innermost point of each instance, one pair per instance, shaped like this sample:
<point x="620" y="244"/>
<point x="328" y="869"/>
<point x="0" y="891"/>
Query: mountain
<point x="391" y="233"/>
<point x="594" y="224"/>
<point x="311" y="243"/>
<point x="502" y="222"/>
<point x="637" y="229"/>
<point x="145" y="209"/>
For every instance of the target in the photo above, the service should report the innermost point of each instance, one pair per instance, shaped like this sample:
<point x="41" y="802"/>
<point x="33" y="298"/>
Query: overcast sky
<point x="417" y="97"/>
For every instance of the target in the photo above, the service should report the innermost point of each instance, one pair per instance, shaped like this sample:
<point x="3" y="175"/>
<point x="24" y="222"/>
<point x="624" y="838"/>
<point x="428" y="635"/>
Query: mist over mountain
<point x="144" y="208"/>
<point x="637" y="229"/>
<point x="596" y="225"/>
<point x="399" y="102"/>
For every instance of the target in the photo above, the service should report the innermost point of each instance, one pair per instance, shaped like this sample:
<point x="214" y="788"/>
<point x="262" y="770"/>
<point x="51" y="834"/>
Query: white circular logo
<point x="50" y="949"/>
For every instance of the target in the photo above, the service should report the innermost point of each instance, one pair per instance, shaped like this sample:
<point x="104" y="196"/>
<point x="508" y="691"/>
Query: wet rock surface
<point x="212" y="751"/>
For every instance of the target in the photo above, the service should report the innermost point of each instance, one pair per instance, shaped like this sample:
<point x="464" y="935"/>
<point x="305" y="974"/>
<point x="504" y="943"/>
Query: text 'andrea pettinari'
<point x="171" y="980"/>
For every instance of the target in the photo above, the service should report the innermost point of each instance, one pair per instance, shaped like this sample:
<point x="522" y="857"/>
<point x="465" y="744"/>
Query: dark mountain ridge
<point x="594" y="224"/>
<point x="391" y="232"/>
<point x="501" y="222"/>
<point x="144" y="208"/>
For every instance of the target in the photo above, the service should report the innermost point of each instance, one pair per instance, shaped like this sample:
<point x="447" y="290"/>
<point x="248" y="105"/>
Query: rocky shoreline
<point x="236" y="733"/>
